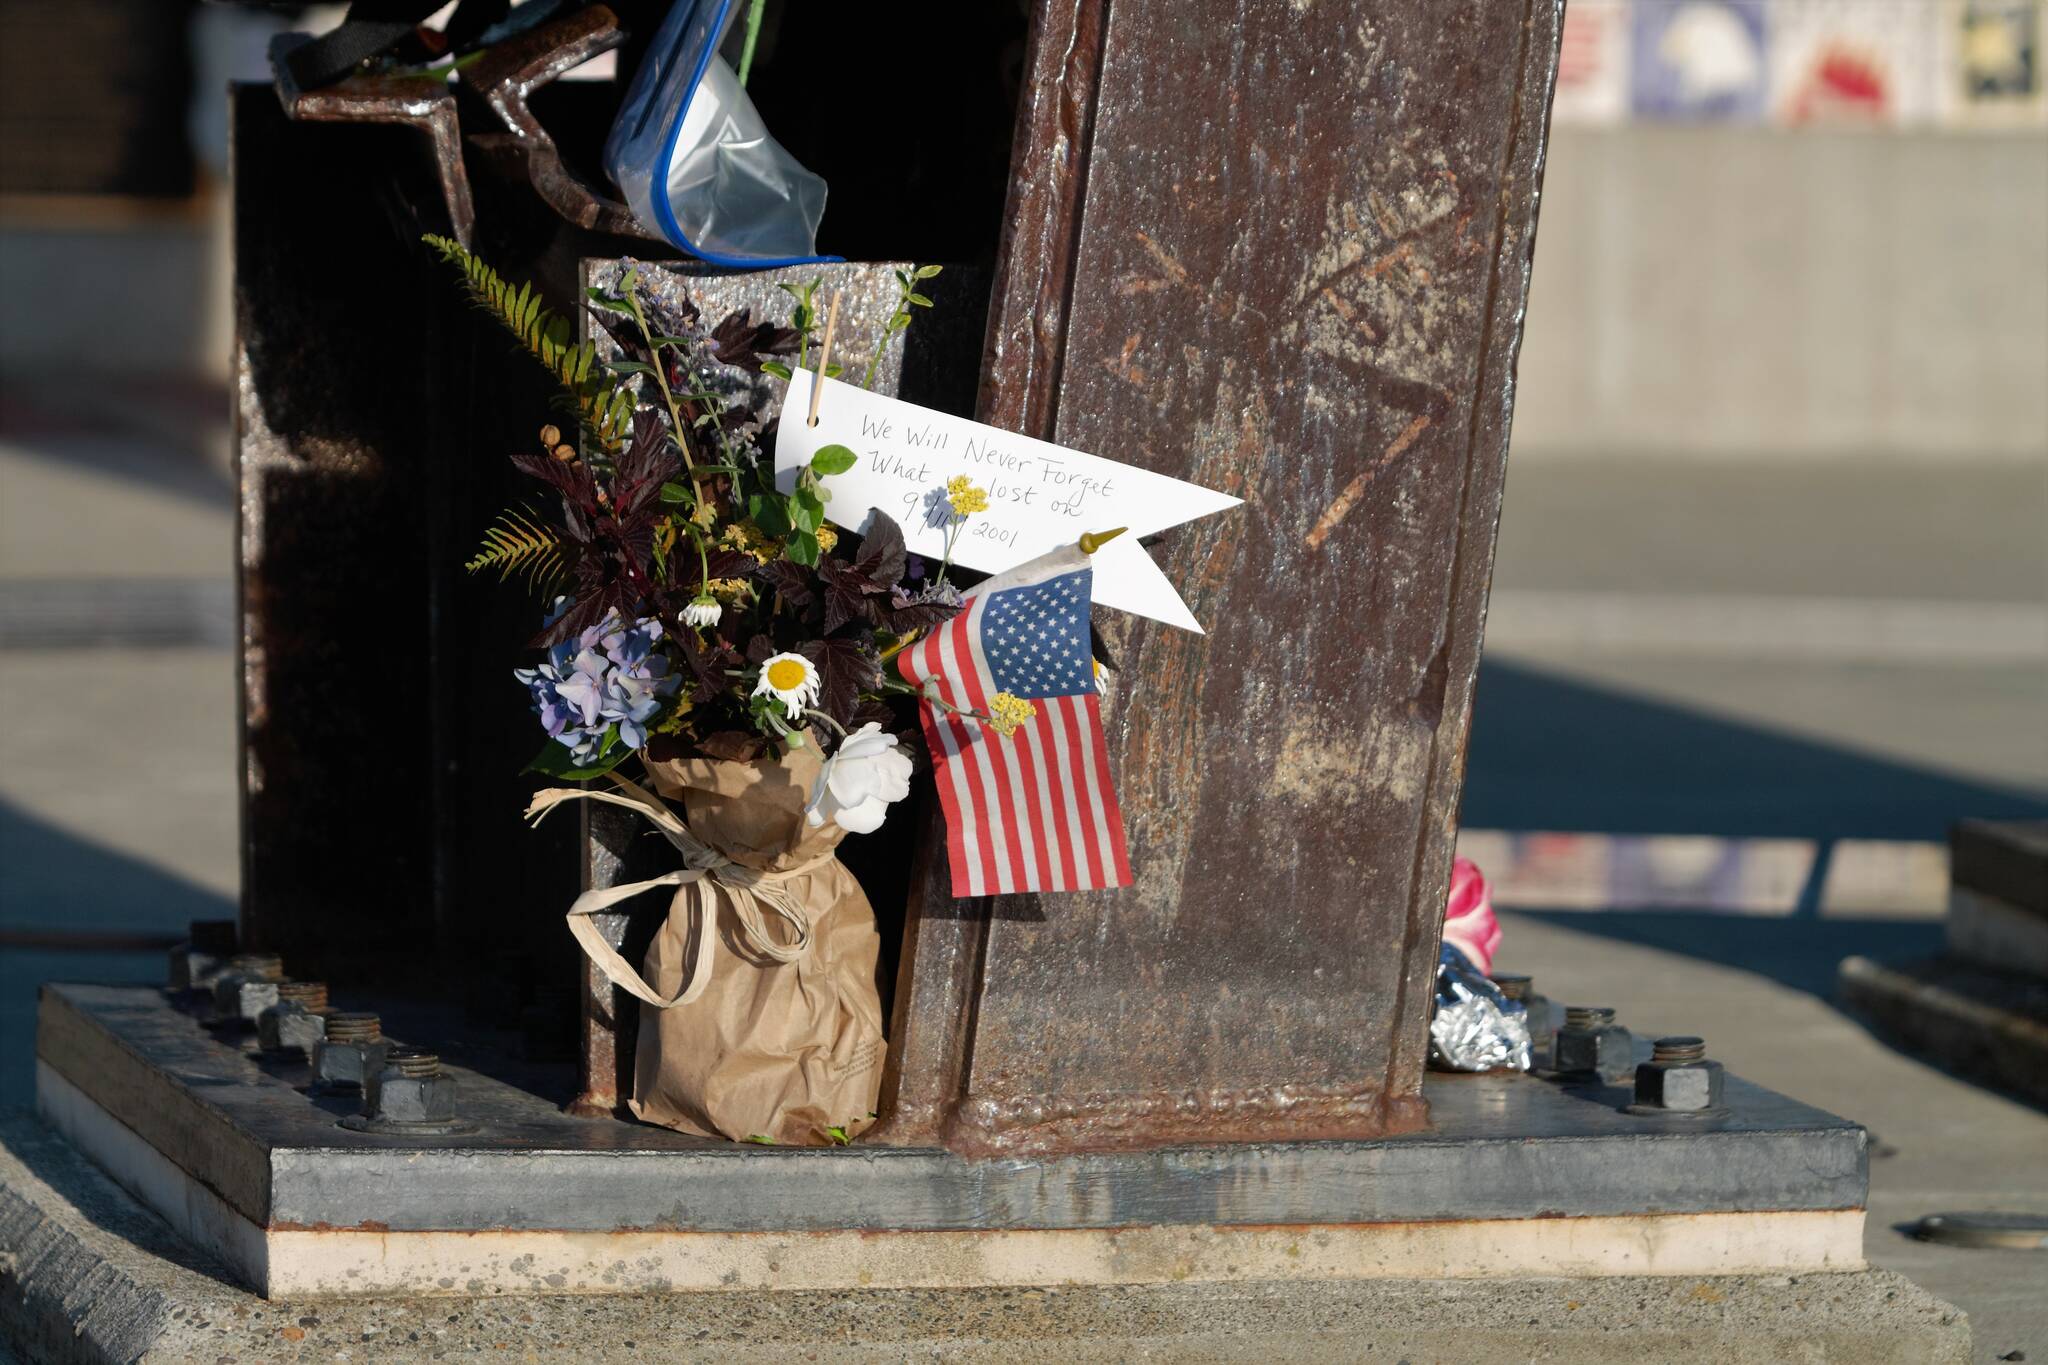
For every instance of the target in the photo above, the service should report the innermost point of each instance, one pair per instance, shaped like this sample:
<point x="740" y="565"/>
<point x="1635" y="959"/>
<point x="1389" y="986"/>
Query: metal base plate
<point x="1499" y="1146"/>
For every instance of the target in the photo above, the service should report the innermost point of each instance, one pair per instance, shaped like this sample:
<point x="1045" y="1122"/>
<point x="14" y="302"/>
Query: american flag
<point x="1036" y="811"/>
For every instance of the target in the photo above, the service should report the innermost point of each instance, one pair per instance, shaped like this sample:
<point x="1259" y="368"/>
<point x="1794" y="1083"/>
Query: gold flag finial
<point x="1095" y="540"/>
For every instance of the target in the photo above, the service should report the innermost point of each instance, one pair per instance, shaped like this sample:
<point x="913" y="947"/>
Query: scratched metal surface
<point x="1506" y="1146"/>
<point x="1284" y="253"/>
<point x="337" y="828"/>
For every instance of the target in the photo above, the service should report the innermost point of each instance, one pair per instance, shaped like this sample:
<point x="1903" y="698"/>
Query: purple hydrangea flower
<point x="609" y="675"/>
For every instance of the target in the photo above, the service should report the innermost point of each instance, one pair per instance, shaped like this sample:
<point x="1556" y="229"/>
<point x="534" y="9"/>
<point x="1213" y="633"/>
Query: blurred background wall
<point x="1736" y="292"/>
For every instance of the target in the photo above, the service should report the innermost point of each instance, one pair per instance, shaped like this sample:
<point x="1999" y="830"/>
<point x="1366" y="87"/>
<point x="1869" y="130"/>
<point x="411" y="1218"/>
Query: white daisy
<point x="704" y="611"/>
<point x="792" y="680"/>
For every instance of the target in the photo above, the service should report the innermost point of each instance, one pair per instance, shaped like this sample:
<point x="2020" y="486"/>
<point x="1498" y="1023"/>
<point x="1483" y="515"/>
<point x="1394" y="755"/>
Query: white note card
<point x="1040" y="495"/>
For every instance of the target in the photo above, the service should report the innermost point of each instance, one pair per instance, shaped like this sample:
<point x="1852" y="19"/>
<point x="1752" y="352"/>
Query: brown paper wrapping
<point x="782" y="1050"/>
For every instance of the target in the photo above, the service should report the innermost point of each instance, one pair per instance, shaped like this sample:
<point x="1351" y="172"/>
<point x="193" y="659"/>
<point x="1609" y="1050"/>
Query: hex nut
<point x="394" y="1097"/>
<point x="1608" y="1051"/>
<point x="1688" y="1086"/>
<point x="289" y="1026"/>
<point x="192" y="969"/>
<point x="345" y="1065"/>
<point x="243" y="998"/>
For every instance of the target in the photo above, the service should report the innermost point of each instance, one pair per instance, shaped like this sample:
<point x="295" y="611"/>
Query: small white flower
<point x="704" y="611"/>
<point x="792" y="680"/>
<point x="864" y="775"/>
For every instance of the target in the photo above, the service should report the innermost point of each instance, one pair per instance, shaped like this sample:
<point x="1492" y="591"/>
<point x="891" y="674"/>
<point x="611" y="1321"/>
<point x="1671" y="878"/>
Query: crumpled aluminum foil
<point x="1475" y="1027"/>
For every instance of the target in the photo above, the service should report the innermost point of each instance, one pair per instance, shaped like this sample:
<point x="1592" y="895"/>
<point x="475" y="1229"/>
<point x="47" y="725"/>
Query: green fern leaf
<point x="520" y="544"/>
<point x="604" y="408"/>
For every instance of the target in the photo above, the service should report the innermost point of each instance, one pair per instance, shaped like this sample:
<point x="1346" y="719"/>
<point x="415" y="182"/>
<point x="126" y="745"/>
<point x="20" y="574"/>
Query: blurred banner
<point x="1868" y="62"/>
<point x="1701" y="61"/>
<point x="1965" y="64"/>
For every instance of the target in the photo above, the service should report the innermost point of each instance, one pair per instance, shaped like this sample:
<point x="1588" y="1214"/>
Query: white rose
<point x="859" y="781"/>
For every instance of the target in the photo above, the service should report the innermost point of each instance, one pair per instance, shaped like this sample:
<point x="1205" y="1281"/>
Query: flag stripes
<point x="1035" y="811"/>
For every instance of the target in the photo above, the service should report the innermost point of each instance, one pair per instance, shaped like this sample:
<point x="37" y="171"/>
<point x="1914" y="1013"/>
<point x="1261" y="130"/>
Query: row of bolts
<point x="347" y="1050"/>
<point x="349" y="1053"/>
<point x="1678" y="1078"/>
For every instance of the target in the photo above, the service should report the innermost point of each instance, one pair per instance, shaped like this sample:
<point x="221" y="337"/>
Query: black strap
<point x="374" y="27"/>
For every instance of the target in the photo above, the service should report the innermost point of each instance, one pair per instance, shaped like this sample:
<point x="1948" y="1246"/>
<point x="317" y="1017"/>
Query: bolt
<point x="1678" y="1077"/>
<point x="296" y="1021"/>
<point x="355" y="1028"/>
<point x="349" y="1053"/>
<point x="413" y="1061"/>
<point x="1592" y="1044"/>
<point x="311" y="994"/>
<point x="1542" y="1014"/>
<point x="1669" y="1051"/>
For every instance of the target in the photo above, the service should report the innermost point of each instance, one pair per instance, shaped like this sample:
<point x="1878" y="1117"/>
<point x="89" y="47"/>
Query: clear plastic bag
<point x="696" y="163"/>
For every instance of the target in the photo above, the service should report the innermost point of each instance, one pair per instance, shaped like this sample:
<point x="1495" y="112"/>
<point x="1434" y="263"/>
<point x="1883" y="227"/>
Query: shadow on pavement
<point x="1795" y="951"/>
<point x="52" y="881"/>
<point x="103" y="435"/>
<point x="1552" y="754"/>
<point x="1557" y="755"/>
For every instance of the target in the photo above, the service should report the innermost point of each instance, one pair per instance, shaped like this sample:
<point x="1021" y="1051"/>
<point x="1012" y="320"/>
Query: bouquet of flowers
<point x="693" y="607"/>
<point x="709" y="620"/>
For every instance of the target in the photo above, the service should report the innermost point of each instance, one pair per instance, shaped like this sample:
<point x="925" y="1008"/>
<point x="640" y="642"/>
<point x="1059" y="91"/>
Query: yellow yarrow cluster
<point x="965" y="497"/>
<point x="1007" y="711"/>
<point x="748" y="538"/>
<point x="827" y="538"/>
<point x="727" y="589"/>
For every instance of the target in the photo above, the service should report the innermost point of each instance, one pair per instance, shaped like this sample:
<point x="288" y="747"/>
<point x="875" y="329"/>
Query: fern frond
<point x="518" y="544"/>
<point x="606" y="409"/>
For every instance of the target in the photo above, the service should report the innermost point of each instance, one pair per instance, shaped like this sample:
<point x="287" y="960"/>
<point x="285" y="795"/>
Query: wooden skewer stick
<point x="824" y="355"/>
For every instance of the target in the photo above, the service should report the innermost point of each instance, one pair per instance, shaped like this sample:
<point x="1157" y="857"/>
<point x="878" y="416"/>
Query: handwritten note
<point x="1040" y="495"/>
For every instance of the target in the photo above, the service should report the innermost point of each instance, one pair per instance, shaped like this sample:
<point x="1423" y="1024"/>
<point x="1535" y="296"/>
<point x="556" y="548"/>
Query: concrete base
<point x="1989" y="1026"/>
<point x="91" y="1276"/>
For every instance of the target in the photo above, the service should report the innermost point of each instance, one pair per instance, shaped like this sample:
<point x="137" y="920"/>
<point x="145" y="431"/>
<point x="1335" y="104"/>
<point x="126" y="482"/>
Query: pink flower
<point x="1469" y="925"/>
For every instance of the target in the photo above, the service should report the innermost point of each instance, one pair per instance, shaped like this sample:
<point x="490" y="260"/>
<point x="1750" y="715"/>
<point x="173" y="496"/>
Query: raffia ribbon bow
<point x="704" y="873"/>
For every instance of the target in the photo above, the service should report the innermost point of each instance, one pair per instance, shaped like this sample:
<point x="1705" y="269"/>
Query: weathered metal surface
<point x="505" y="76"/>
<point x="332" y="546"/>
<point x="423" y="103"/>
<point x="1504" y="1146"/>
<point x="375" y="408"/>
<point x="931" y="363"/>
<point x="1281" y="252"/>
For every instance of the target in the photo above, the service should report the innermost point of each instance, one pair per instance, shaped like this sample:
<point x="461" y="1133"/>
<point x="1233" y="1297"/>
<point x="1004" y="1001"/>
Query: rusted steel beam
<point x="505" y="76"/>
<point x="406" y="101"/>
<point x="1282" y="252"/>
